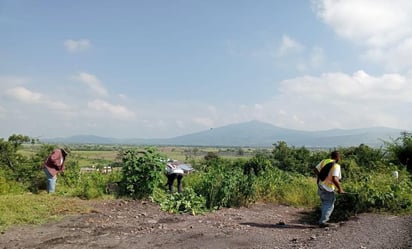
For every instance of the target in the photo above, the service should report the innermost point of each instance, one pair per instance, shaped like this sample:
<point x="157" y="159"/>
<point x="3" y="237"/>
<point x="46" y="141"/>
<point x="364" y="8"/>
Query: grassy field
<point x="103" y="155"/>
<point x="93" y="158"/>
<point x="37" y="209"/>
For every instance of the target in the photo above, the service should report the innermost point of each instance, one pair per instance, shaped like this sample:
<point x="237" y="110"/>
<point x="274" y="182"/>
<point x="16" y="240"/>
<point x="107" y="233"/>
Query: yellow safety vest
<point x="327" y="184"/>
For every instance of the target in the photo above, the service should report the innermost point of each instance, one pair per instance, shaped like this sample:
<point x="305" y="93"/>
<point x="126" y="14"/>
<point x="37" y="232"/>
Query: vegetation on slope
<point x="223" y="178"/>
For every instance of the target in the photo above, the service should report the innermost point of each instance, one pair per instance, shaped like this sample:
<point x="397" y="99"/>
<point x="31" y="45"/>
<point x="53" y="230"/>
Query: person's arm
<point x="54" y="160"/>
<point x="336" y="182"/>
<point x="316" y="171"/>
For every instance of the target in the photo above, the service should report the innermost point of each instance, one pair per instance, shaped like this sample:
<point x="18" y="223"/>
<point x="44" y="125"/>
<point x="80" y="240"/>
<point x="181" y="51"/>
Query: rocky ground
<point x="138" y="224"/>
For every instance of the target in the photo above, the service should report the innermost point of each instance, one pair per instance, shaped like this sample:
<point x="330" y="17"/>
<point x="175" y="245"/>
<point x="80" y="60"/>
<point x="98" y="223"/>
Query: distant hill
<point x="255" y="134"/>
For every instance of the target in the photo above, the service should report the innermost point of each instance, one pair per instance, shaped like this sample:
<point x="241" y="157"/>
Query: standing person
<point x="53" y="165"/>
<point x="328" y="173"/>
<point x="174" y="172"/>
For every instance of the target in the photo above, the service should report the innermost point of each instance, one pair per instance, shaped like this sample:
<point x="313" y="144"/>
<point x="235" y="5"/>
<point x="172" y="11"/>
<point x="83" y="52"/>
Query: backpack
<point x="324" y="172"/>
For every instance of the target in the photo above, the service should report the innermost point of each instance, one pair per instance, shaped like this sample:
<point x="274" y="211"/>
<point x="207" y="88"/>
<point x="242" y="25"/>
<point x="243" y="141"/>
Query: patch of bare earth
<point x="137" y="224"/>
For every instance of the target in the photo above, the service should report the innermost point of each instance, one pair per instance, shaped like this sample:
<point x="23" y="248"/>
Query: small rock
<point x="152" y="221"/>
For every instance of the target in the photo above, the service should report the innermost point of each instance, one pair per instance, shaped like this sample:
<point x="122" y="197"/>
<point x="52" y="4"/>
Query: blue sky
<point x="157" y="69"/>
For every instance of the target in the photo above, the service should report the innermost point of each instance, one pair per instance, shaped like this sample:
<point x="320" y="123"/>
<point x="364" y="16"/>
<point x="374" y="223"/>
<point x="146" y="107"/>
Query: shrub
<point x="380" y="191"/>
<point x="186" y="202"/>
<point x="92" y="185"/>
<point x="9" y="186"/>
<point x="278" y="186"/>
<point x="142" y="172"/>
<point x="225" y="185"/>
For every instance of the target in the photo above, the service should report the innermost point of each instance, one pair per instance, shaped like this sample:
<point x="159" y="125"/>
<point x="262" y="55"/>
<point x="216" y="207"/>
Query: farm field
<point x="104" y="155"/>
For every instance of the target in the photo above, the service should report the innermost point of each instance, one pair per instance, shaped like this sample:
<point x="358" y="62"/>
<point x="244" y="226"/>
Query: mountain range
<point x="254" y="134"/>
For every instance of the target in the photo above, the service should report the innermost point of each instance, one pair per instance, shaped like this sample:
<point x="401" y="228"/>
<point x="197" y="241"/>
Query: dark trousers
<point x="170" y="180"/>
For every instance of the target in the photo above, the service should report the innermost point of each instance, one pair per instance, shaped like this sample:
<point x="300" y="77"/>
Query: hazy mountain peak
<point x="255" y="133"/>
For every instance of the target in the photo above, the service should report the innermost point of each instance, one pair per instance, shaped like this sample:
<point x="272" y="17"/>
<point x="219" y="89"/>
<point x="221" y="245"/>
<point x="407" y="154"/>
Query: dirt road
<point x="137" y="224"/>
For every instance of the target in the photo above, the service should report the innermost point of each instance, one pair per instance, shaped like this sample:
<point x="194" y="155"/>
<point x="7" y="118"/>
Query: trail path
<point x="137" y="224"/>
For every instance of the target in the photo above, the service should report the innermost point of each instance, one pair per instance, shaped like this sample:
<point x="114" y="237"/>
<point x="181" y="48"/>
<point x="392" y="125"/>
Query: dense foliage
<point x="282" y="174"/>
<point x="142" y="172"/>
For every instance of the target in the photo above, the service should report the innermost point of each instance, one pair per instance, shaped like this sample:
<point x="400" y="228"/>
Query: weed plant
<point x="380" y="191"/>
<point x="36" y="209"/>
<point x="185" y="202"/>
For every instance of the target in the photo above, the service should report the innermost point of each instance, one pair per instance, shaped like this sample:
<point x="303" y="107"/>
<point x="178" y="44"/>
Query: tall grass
<point x="37" y="209"/>
<point x="380" y="191"/>
<point x="278" y="186"/>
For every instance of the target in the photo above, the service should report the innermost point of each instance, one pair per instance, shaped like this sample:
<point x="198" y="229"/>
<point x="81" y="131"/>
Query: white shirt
<point x="327" y="184"/>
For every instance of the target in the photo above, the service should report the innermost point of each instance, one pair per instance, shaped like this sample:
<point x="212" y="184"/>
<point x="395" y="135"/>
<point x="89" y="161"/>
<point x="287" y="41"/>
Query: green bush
<point x="224" y="184"/>
<point x="9" y="186"/>
<point x="142" y="172"/>
<point x="380" y="191"/>
<point x="346" y="206"/>
<point x="92" y="185"/>
<point x="278" y="186"/>
<point x="186" y="202"/>
<point x="72" y="175"/>
<point x="89" y="185"/>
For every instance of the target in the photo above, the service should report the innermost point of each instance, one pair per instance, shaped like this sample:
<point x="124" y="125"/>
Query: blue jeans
<point x="51" y="181"/>
<point x="328" y="203"/>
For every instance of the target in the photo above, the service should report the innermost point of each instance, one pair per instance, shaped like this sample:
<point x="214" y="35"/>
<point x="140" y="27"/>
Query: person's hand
<point x="340" y="191"/>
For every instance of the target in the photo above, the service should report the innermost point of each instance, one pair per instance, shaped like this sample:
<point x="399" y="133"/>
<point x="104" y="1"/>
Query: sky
<point x="165" y="68"/>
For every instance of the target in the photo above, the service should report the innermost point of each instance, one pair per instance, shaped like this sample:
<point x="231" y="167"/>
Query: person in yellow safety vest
<point x="328" y="181"/>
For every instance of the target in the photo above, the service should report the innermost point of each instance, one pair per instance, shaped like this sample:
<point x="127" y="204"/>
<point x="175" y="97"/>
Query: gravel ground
<point x="137" y="224"/>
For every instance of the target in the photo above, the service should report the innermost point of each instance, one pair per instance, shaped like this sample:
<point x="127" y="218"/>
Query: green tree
<point x="14" y="166"/>
<point x="400" y="150"/>
<point x="292" y="159"/>
<point x="9" y="158"/>
<point x="258" y="164"/>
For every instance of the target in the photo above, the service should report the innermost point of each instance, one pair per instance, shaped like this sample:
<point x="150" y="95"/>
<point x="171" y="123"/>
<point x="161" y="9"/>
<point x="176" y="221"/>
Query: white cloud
<point x="288" y="46"/>
<point x="358" y="87"/>
<point x="382" y="27"/>
<point x="92" y="82"/>
<point x="24" y="95"/>
<point x="377" y="23"/>
<point x="116" y="111"/>
<point x="297" y="56"/>
<point x="396" y="58"/>
<point x="27" y="96"/>
<point x="337" y="100"/>
<point x="74" y="46"/>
